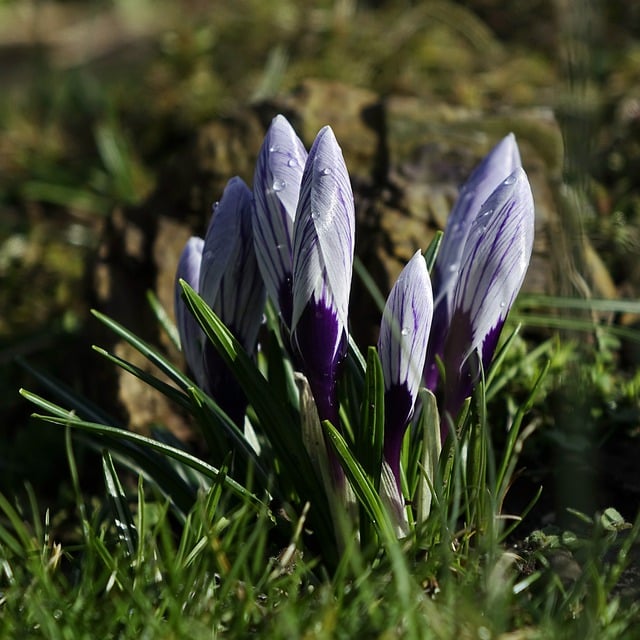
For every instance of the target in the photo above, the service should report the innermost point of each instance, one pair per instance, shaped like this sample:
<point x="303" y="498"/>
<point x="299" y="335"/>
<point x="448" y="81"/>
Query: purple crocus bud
<point x="404" y="332"/>
<point x="230" y="280"/>
<point x="496" y="257"/>
<point x="230" y="283"/>
<point x="276" y="187"/>
<point x="191" y="335"/>
<point x="499" y="163"/>
<point x="323" y="243"/>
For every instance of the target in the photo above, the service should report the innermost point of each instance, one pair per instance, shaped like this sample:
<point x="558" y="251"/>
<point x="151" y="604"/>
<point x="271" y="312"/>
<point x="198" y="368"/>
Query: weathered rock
<point x="407" y="161"/>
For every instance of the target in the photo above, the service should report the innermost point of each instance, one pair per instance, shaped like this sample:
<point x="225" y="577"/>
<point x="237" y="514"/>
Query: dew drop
<point x="453" y="267"/>
<point x="405" y="331"/>
<point x="503" y="304"/>
<point x="274" y="148"/>
<point x="325" y="172"/>
<point x="292" y="162"/>
<point x="510" y="180"/>
<point x="279" y="185"/>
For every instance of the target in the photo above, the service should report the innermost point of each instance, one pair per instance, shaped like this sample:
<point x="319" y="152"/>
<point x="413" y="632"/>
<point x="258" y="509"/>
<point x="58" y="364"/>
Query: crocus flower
<point x="323" y="244"/>
<point x="191" y="335"/>
<point x="499" y="163"/>
<point x="495" y="260"/>
<point x="402" y="345"/>
<point x="276" y="187"/>
<point x="229" y="281"/>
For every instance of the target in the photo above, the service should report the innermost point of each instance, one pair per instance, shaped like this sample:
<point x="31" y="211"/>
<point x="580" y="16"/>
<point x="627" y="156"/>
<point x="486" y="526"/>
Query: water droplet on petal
<point x="503" y="304"/>
<point x="453" y="267"/>
<point x="292" y="162"/>
<point x="274" y="148"/>
<point x="326" y="171"/>
<point x="510" y="180"/>
<point x="405" y="331"/>
<point x="279" y="185"/>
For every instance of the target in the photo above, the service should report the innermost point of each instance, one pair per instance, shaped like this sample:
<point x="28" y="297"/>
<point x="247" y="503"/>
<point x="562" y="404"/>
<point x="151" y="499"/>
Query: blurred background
<point x="113" y="112"/>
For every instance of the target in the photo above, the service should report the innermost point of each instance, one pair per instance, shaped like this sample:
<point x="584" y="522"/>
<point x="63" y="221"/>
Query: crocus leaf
<point x="370" y="439"/>
<point x="69" y="420"/>
<point x="151" y="353"/>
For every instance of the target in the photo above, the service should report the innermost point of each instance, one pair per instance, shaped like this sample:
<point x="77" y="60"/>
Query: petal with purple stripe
<point x="499" y="163"/>
<point x="496" y="258"/>
<point x="404" y="332"/>
<point x="277" y="179"/>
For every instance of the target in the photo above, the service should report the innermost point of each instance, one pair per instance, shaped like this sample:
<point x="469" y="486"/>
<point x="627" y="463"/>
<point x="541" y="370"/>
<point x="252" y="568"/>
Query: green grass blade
<point x="122" y="518"/>
<point x="431" y="252"/>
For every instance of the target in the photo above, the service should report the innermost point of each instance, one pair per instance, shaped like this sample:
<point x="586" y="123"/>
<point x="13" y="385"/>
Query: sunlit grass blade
<point x="528" y="300"/>
<point x="428" y="426"/>
<point x="431" y="252"/>
<point x="369" y="283"/>
<point x="122" y="518"/>
<point x="163" y="319"/>
<point x="572" y="324"/>
<point x="21" y="541"/>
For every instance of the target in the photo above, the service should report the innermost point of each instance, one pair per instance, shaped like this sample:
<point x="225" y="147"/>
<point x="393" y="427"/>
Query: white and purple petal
<point x="405" y="327"/>
<point x="402" y="346"/>
<point x="499" y="163"/>
<point x="496" y="258"/>
<point x="276" y="187"/>
<point x="323" y="244"/>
